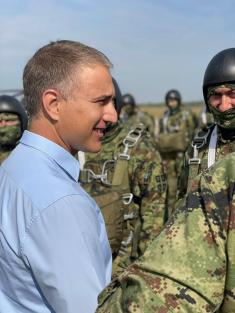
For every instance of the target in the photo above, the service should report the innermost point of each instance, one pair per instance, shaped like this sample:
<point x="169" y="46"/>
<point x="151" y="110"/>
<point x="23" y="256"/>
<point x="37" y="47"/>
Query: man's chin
<point x="93" y="148"/>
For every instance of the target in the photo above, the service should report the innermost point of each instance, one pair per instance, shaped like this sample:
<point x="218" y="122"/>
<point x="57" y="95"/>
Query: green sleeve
<point x="152" y="183"/>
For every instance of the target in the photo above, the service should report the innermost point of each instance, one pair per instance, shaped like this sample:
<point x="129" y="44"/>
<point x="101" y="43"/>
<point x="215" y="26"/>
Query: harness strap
<point x="199" y="141"/>
<point x="212" y="147"/>
<point x="164" y="122"/>
<point x="121" y="178"/>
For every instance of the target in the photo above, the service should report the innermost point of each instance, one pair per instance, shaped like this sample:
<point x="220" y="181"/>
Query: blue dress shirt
<point x="54" y="251"/>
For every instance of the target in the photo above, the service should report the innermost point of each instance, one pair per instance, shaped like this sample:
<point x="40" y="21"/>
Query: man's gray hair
<point x="52" y="67"/>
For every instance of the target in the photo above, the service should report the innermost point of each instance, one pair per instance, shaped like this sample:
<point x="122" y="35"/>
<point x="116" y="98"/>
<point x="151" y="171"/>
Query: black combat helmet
<point x="173" y="95"/>
<point x="9" y="104"/>
<point x="219" y="71"/>
<point x="118" y="97"/>
<point x="128" y="99"/>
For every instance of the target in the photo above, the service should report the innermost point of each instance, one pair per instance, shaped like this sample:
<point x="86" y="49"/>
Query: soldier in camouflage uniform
<point x="190" y="266"/>
<point x="175" y="133"/>
<point x="130" y="113"/>
<point x="127" y="181"/>
<point x="217" y="139"/>
<point x="205" y="119"/>
<point x="13" y="121"/>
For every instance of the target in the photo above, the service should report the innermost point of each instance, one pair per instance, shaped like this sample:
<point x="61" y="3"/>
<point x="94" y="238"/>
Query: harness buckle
<point x="127" y="198"/>
<point x="200" y="141"/>
<point x="89" y="176"/>
<point x="131" y="140"/>
<point x="105" y="169"/>
<point x="195" y="159"/>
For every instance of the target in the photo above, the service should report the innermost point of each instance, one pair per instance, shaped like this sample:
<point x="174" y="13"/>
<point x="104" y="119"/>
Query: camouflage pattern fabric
<point x="133" y="115"/>
<point x="189" y="171"/>
<point x="4" y="154"/>
<point x="175" y="134"/>
<point x="10" y="131"/>
<point x="190" y="266"/>
<point x="147" y="184"/>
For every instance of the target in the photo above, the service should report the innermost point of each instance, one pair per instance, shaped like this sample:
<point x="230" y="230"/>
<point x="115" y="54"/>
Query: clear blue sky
<point x="155" y="45"/>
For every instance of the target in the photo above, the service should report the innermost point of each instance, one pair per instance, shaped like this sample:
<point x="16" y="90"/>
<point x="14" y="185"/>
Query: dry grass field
<point x="157" y="110"/>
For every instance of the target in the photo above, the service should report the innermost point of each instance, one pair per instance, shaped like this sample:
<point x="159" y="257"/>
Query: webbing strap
<point x="81" y="159"/>
<point x="164" y="122"/>
<point x="212" y="147"/>
<point x="204" y="117"/>
<point x="121" y="175"/>
<point x="195" y="161"/>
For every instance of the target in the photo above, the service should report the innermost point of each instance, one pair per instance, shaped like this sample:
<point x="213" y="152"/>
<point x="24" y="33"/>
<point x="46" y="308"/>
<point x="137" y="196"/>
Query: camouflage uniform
<point x="197" y="157"/>
<point x="13" y="121"/>
<point x="215" y="141"/>
<point x="144" y="184"/>
<point x="10" y="131"/>
<point x="190" y="266"/>
<point x="175" y="134"/>
<point x="131" y="114"/>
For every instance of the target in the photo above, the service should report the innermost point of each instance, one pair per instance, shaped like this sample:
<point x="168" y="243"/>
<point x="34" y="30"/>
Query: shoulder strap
<point x="81" y="159"/>
<point x="120" y="176"/>
<point x="185" y="114"/>
<point x="199" y="141"/>
<point x="164" y="122"/>
<point x="212" y="147"/>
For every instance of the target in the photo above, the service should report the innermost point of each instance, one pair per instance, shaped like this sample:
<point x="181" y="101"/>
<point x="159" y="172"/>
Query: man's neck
<point x="45" y="129"/>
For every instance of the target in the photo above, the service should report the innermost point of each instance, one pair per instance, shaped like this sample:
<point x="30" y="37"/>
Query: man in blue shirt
<point x="54" y="252"/>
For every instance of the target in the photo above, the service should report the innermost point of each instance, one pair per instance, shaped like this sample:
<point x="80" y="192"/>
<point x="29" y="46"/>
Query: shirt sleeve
<point x="66" y="256"/>
<point x="185" y="268"/>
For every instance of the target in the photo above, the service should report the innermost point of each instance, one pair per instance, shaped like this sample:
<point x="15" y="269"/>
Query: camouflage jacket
<point x="146" y="179"/>
<point x="136" y="115"/>
<point x="175" y="132"/>
<point x="10" y="130"/>
<point x="4" y="154"/>
<point x="190" y="266"/>
<point x="196" y="161"/>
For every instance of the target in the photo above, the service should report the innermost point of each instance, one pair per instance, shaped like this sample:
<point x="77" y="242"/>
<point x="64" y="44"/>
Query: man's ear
<point x="51" y="102"/>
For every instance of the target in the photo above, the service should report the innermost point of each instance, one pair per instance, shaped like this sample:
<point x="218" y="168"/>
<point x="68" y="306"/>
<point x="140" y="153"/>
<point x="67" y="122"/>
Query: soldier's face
<point x="86" y="114"/>
<point x="223" y="99"/>
<point x="172" y="103"/>
<point x="9" y="128"/>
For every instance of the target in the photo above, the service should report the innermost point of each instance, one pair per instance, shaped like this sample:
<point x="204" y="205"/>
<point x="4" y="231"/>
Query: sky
<point x="154" y="45"/>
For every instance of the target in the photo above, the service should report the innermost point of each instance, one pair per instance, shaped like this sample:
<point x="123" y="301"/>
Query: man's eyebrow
<point x="104" y="97"/>
<point x="218" y="92"/>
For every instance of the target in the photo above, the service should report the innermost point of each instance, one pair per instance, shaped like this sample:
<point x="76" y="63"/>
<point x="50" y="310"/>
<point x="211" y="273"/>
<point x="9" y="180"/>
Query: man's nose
<point x="110" y="114"/>
<point x="225" y="103"/>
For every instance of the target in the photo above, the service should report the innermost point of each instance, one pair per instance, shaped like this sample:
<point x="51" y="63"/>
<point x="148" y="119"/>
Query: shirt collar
<point x="61" y="156"/>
